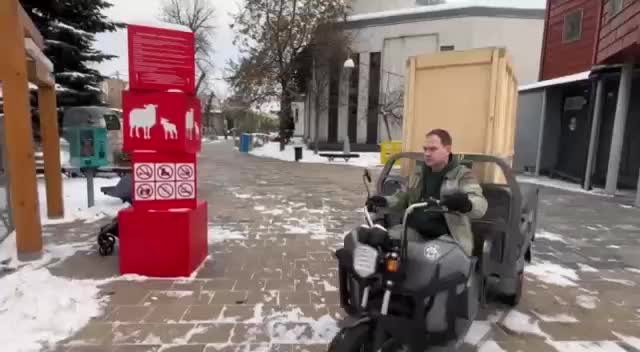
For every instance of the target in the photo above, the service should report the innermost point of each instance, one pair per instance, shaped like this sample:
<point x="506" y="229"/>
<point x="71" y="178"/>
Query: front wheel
<point x="354" y="339"/>
<point x="358" y="339"/>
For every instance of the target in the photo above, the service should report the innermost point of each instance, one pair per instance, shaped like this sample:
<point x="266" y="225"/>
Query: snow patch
<point x="75" y="201"/>
<point x="558" y="318"/>
<point x="40" y="309"/>
<point x="587" y="302"/>
<point x="550" y="236"/>
<point x="477" y="332"/>
<point x="553" y="274"/>
<point x="613" y="246"/>
<point x="629" y="340"/>
<point x="619" y="281"/>
<point x="586" y="268"/>
<point x="558" y="184"/>
<point x="272" y="150"/>
<point x="218" y="234"/>
<point x="586" y="346"/>
<point x="521" y="323"/>
<point x="633" y="270"/>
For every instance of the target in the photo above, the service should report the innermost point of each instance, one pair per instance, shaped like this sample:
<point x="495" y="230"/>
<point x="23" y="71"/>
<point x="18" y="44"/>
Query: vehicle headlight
<point x="365" y="259"/>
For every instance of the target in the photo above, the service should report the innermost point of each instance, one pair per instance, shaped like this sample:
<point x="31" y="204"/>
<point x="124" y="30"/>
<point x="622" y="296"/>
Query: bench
<point x="345" y="156"/>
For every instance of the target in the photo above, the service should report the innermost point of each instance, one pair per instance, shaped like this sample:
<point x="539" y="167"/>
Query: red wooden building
<point x="569" y="37"/>
<point x="589" y="55"/>
<point x="618" y="33"/>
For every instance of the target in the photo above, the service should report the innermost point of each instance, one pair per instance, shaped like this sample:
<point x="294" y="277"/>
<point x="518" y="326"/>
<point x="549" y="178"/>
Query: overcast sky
<point x="129" y="10"/>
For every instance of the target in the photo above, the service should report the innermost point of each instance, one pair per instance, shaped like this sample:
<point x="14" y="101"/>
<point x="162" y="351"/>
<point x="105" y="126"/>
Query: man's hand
<point x="377" y="201"/>
<point x="458" y="202"/>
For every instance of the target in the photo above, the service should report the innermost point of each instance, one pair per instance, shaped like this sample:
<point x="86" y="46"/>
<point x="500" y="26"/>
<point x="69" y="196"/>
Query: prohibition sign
<point x="165" y="172"/>
<point x="165" y="190"/>
<point x="185" y="190"/>
<point x="144" y="191"/>
<point x="185" y="172"/>
<point x="144" y="172"/>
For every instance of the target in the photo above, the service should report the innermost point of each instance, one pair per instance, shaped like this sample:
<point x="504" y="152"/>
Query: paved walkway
<point x="273" y="286"/>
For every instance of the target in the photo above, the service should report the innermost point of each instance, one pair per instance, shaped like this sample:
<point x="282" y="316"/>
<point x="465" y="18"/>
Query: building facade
<point x="586" y="113"/>
<point x="357" y="102"/>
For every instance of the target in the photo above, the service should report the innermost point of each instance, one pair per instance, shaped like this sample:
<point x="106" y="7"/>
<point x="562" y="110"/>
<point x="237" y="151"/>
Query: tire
<point x="514" y="299"/>
<point x="352" y="340"/>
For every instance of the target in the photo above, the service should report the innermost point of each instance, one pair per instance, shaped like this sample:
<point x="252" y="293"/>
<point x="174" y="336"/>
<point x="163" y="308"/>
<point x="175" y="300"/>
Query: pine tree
<point x="69" y="28"/>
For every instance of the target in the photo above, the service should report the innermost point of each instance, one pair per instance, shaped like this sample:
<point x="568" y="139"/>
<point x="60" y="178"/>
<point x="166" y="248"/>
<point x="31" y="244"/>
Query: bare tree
<point x="271" y="34"/>
<point x="391" y="109"/>
<point x="197" y="15"/>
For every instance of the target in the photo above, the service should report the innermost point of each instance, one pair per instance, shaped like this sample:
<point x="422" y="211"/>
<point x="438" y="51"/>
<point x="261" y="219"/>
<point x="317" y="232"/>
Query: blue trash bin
<point x="245" y="143"/>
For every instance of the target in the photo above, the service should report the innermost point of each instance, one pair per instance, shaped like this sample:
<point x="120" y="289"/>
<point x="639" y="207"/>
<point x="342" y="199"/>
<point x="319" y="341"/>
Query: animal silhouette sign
<point x="161" y="121"/>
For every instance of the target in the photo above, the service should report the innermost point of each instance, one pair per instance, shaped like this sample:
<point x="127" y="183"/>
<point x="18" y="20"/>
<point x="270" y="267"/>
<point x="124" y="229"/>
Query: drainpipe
<point x="617" y="138"/>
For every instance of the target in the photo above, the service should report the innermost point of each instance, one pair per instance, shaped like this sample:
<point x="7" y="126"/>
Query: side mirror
<point x="367" y="175"/>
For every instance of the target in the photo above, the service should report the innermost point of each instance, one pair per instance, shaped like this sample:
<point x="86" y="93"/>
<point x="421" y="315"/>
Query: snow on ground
<point x="552" y="273"/>
<point x="490" y="346"/>
<point x="587" y="268"/>
<point x="272" y="150"/>
<point x="559" y="184"/>
<point x="587" y="302"/>
<point x="41" y="309"/>
<point x="75" y="200"/>
<point x="586" y="346"/>
<point x="629" y="340"/>
<point x="550" y="236"/>
<point x="218" y="233"/>
<point x="521" y="323"/>
<point x="558" y="318"/>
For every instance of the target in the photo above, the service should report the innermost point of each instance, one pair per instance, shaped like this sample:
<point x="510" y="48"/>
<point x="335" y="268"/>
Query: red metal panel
<point x="161" y="59"/>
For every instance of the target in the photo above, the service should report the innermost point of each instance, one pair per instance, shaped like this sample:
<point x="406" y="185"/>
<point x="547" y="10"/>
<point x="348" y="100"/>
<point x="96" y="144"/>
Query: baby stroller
<point x="109" y="232"/>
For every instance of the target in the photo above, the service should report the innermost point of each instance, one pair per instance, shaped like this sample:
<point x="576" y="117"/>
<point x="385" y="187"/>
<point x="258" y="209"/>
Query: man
<point x="441" y="178"/>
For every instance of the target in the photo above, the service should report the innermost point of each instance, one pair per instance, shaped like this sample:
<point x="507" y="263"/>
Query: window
<point x="615" y="6"/>
<point x="572" y="30"/>
<point x="447" y="47"/>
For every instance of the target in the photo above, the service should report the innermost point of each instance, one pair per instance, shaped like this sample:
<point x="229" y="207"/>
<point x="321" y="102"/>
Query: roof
<point x="484" y="8"/>
<point x="582" y="76"/>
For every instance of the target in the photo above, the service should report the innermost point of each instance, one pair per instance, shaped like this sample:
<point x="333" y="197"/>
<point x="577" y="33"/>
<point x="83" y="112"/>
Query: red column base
<point x="162" y="243"/>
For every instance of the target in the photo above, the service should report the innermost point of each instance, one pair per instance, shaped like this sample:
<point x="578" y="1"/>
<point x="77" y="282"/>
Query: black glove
<point x="458" y="202"/>
<point x="377" y="201"/>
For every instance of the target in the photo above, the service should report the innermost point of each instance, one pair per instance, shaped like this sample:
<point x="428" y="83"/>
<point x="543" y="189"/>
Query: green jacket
<point x="458" y="179"/>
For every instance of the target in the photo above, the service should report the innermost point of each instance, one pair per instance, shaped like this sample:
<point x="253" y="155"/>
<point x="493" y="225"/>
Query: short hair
<point x="445" y="137"/>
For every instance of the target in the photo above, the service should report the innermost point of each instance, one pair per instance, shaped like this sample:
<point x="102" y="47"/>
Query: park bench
<point x="345" y="156"/>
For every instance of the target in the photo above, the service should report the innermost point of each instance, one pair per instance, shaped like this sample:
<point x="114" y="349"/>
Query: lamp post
<point x="347" y="65"/>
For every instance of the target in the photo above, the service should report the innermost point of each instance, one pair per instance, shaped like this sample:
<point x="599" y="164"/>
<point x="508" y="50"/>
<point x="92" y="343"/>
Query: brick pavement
<point x="274" y="287"/>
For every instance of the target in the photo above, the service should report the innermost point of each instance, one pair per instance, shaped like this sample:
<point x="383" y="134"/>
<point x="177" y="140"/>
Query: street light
<point x="349" y="63"/>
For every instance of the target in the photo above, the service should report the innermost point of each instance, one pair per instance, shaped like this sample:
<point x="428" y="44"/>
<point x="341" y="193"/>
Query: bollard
<point x="298" y="152"/>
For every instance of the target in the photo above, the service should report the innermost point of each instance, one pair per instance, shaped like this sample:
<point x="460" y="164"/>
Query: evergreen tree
<point x="69" y="28"/>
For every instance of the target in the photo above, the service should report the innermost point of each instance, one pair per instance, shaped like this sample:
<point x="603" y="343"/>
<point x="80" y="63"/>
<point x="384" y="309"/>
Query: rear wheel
<point x="514" y="299"/>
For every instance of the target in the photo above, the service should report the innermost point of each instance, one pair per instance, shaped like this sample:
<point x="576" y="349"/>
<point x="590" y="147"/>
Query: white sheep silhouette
<point x="142" y="118"/>
<point x="189" y="123"/>
<point x="170" y="131"/>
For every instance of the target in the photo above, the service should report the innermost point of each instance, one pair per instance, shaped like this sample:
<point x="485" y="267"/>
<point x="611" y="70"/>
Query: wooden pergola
<point x="21" y="62"/>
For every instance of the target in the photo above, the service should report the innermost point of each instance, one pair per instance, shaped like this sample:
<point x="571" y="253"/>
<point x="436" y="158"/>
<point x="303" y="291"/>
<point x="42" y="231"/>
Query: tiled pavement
<point x="274" y="290"/>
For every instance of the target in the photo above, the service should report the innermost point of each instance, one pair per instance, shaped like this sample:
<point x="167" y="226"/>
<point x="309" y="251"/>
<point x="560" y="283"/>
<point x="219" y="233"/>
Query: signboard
<point x="161" y="59"/>
<point x="164" y="180"/>
<point x="162" y="121"/>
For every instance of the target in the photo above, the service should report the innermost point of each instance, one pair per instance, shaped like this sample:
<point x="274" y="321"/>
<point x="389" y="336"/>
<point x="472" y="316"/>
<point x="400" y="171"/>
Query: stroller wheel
<point x="106" y="244"/>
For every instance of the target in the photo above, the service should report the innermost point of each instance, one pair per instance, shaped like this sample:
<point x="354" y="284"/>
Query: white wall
<point x="397" y="41"/>
<point x="298" y="118"/>
<point x="366" y="6"/>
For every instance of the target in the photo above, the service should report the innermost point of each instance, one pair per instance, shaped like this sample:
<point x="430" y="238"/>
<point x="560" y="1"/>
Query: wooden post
<point x="18" y="133"/>
<point x="51" y="151"/>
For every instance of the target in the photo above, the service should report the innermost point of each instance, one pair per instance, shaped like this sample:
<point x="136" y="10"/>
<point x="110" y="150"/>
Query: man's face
<point x="435" y="154"/>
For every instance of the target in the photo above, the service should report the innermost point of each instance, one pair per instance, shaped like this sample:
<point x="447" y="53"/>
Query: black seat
<point x="493" y="225"/>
